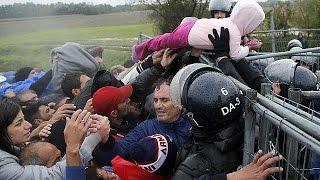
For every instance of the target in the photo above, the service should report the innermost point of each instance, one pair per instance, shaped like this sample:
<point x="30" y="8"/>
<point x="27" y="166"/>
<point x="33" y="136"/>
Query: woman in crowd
<point x="15" y="132"/>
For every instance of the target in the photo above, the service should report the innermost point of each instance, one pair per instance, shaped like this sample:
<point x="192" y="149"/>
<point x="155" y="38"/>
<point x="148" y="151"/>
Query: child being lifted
<point x="246" y="16"/>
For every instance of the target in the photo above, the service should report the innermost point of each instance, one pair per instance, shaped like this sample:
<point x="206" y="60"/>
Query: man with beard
<point x="115" y="103"/>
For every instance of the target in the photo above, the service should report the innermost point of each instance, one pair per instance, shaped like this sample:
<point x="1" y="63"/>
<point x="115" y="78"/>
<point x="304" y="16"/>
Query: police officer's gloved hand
<point x="220" y="44"/>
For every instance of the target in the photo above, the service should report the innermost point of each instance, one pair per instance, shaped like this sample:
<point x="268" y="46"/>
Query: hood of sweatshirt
<point x="247" y="15"/>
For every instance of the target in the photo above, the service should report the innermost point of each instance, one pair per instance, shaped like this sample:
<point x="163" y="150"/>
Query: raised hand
<point x="76" y="129"/>
<point x="64" y="111"/>
<point x="103" y="128"/>
<point x="157" y="56"/>
<point x="220" y="44"/>
<point x="46" y="131"/>
<point x="89" y="106"/>
<point x="168" y="57"/>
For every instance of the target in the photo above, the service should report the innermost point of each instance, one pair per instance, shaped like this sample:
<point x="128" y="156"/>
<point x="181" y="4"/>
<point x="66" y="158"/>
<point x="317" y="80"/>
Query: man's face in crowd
<point x="219" y="14"/>
<point x="165" y="110"/>
<point x="32" y="73"/>
<point x="46" y="112"/>
<point x="29" y="96"/>
<point x="128" y="107"/>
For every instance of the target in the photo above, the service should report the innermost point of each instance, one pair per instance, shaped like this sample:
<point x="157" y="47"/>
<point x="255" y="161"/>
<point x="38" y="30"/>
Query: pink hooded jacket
<point x="246" y="16"/>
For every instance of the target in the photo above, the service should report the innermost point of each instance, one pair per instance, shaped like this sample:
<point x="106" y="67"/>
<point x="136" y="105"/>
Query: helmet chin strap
<point x="193" y="121"/>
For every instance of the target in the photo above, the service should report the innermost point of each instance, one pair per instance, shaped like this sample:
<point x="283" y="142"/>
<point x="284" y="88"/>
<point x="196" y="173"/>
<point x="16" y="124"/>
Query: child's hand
<point x="253" y="44"/>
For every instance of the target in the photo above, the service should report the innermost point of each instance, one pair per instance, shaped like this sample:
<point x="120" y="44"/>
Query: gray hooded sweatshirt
<point x="71" y="58"/>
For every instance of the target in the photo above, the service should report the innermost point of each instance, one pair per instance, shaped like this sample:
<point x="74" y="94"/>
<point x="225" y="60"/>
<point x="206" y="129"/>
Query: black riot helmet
<point x="212" y="101"/>
<point x="286" y="71"/>
<point x="305" y="79"/>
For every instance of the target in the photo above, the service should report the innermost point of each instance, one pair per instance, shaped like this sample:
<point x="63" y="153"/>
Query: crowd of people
<point x="163" y="115"/>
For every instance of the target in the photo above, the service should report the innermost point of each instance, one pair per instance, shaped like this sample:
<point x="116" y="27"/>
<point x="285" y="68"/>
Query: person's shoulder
<point x="149" y="121"/>
<point x="5" y="156"/>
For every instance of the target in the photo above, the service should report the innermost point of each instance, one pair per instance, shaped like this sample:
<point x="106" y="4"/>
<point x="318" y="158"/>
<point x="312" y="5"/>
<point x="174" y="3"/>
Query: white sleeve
<point x="131" y="76"/>
<point x="239" y="52"/>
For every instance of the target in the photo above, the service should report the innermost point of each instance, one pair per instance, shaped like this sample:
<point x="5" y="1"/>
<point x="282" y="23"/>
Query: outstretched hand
<point x="259" y="169"/>
<point x="220" y="43"/>
<point x="76" y="129"/>
<point x="168" y="57"/>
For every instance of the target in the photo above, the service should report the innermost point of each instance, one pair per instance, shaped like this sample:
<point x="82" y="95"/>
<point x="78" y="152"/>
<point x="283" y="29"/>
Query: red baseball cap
<point x="107" y="99"/>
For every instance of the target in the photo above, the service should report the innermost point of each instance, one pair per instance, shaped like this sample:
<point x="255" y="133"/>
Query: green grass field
<point x="33" y="48"/>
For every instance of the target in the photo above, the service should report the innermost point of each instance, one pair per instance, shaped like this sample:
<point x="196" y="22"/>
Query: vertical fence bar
<point x="272" y="31"/>
<point x="292" y="146"/>
<point x="264" y="128"/>
<point x="250" y="121"/>
<point x="140" y="38"/>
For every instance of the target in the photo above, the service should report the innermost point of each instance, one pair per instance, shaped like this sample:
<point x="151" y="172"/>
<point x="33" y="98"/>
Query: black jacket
<point x="244" y="72"/>
<point x="142" y="85"/>
<point x="212" y="160"/>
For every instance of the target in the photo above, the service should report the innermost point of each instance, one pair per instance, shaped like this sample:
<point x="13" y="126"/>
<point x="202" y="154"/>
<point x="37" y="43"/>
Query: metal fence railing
<point x="274" y="125"/>
<point x="280" y="38"/>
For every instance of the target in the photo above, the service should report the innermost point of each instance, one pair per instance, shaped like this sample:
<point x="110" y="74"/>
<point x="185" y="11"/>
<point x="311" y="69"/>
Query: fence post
<point x="264" y="128"/>
<point x="140" y="38"/>
<point x="272" y="31"/>
<point x="292" y="145"/>
<point x="250" y="121"/>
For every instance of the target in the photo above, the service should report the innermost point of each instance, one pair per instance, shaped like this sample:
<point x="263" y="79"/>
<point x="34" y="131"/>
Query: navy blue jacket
<point x="179" y="131"/>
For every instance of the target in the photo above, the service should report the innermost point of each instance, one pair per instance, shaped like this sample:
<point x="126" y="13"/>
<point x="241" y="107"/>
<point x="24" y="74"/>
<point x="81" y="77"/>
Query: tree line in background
<point x="167" y="14"/>
<point x="35" y="10"/>
<point x="297" y="14"/>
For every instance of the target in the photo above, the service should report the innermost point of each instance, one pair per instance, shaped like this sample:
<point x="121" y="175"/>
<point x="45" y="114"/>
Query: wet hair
<point x="55" y="98"/>
<point x="31" y="111"/>
<point x="69" y="82"/>
<point x="18" y="98"/>
<point x="8" y="112"/>
<point x="22" y="74"/>
<point x="161" y="81"/>
<point x="128" y="64"/>
<point x="30" y="156"/>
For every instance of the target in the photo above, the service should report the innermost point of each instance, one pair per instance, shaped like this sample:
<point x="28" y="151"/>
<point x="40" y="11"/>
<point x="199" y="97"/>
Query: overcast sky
<point x="111" y="2"/>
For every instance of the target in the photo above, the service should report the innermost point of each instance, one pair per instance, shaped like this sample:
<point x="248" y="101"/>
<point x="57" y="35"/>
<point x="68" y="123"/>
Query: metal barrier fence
<point x="282" y="54"/>
<point x="280" y="38"/>
<point x="271" y="124"/>
<point x="274" y="123"/>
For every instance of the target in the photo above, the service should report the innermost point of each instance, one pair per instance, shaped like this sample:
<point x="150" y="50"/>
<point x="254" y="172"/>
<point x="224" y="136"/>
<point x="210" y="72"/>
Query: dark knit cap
<point x="104" y="78"/>
<point x="156" y="154"/>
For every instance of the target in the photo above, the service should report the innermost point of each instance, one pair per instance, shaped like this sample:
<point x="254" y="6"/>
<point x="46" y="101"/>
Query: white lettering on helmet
<point x="224" y="91"/>
<point x="227" y="109"/>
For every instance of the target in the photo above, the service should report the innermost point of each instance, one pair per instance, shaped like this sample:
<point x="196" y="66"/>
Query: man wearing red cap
<point x="117" y="104"/>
